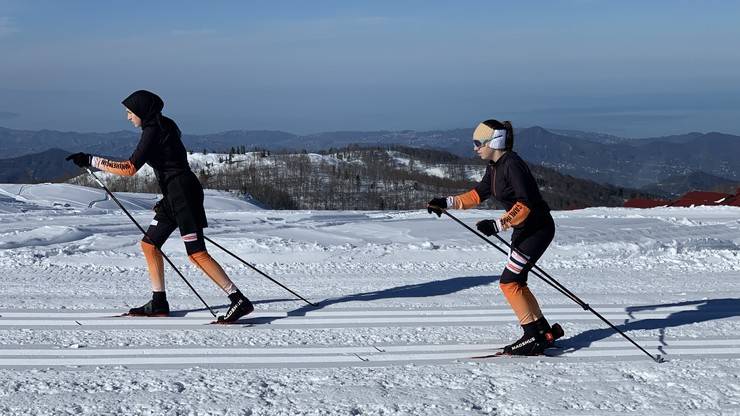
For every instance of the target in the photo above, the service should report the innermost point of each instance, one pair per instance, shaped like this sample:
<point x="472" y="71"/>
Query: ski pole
<point x="562" y="289"/>
<point x="102" y="185"/>
<point x="258" y="270"/>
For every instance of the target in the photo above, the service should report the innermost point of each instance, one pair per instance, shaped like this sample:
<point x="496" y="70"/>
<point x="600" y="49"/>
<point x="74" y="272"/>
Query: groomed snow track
<point x="573" y="346"/>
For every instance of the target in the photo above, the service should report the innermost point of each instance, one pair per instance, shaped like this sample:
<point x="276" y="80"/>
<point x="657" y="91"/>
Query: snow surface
<point x="405" y="300"/>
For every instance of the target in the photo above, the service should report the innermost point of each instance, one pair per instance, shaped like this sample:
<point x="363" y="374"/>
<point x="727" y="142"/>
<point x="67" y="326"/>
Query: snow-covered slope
<point x="66" y="197"/>
<point x="405" y="299"/>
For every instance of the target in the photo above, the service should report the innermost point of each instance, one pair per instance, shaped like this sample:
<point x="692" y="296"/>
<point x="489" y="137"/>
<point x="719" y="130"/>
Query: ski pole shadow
<point x="705" y="310"/>
<point x="419" y="290"/>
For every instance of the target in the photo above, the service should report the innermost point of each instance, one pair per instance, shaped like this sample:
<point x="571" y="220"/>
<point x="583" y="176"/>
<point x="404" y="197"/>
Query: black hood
<point x="144" y="104"/>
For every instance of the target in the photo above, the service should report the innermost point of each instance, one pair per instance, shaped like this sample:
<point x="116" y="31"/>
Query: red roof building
<point x="694" y="198"/>
<point x="689" y="199"/>
<point x="733" y="200"/>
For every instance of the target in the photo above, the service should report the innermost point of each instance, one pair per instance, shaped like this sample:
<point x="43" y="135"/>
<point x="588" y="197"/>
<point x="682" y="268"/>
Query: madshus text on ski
<point x="507" y="179"/>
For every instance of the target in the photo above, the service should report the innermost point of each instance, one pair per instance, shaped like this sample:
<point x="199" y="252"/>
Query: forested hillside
<point x="374" y="178"/>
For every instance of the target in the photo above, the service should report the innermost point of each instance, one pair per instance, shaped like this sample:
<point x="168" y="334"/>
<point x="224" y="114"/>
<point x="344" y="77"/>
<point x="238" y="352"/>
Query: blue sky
<point x="629" y="68"/>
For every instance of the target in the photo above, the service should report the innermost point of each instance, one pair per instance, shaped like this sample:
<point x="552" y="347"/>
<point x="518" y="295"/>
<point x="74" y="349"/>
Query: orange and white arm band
<point x="515" y="216"/>
<point x="469" y="199"/>
<point x="124" y="168"/>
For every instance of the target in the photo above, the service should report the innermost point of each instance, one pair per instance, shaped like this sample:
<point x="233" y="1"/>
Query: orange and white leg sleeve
<point x="155" y="264"/>
<point x="522" y="301"/>
<point x="208" y="265"/>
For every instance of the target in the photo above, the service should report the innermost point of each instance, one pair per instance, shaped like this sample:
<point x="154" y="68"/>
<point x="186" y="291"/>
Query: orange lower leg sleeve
<point x="155" y="264"/>
<point x="205" y="262"/>
<point x="522" y="301"/>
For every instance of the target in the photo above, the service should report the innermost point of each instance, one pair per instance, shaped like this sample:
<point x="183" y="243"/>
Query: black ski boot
<point x="240" y="306"/>
<point x="158" y="307"/>
<point x="538" y="336"/>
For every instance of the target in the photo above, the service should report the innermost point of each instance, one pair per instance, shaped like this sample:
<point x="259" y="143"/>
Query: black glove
<point x="489" y="227"/>
<point x="437" y="206"/>
<point x="82" y="160"/>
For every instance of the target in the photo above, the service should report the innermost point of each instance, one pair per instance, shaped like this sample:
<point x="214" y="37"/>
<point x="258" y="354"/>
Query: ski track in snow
<point x="406" y="300"/>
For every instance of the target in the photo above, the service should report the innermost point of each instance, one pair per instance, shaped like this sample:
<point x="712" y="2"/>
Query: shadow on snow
<point x="183" y="312"/>
<point x="420" y="290"/>
<point x="706" y="310"/>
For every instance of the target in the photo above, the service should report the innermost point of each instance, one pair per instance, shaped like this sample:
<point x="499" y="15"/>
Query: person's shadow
<point x="419" y="290"/>
<point x="706" y="310"/>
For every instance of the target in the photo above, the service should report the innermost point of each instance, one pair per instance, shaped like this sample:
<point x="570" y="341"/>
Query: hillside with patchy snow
<point x="360" y="178"/>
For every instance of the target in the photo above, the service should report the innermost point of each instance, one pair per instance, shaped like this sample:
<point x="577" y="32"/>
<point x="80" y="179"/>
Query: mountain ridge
<point x="631" y="162"/>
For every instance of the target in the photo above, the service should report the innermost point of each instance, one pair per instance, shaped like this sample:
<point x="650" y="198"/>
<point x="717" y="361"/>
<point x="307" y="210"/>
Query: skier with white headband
<point x="509" y="180"/>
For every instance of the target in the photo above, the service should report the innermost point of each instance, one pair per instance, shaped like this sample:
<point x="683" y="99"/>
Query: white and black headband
<point x="485" y="135"/>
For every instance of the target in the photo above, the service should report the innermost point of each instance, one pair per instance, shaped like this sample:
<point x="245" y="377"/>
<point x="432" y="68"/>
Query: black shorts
<point x="181" y="207"/>
<point x="529" y="244"/>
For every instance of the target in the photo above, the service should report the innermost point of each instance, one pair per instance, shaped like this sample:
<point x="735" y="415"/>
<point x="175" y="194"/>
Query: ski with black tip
<point x="236" y="322"/>
<point x="495" y="354"/>
<point x="128" y="315"/>
<point x="550" y="352"/>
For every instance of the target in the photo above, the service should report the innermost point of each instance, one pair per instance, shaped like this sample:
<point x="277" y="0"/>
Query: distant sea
<point x="637" y="124"/>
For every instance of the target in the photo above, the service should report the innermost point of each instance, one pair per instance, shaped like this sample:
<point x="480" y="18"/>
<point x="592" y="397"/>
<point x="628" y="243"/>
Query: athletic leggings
<point x="529" y="244"/>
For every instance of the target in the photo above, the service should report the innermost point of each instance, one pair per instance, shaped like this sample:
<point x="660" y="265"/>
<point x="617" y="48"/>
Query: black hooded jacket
<point x="160" y="145"/>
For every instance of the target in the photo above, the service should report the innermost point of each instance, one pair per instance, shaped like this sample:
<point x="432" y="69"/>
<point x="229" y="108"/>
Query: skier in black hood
<point x="181" y="206"/>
